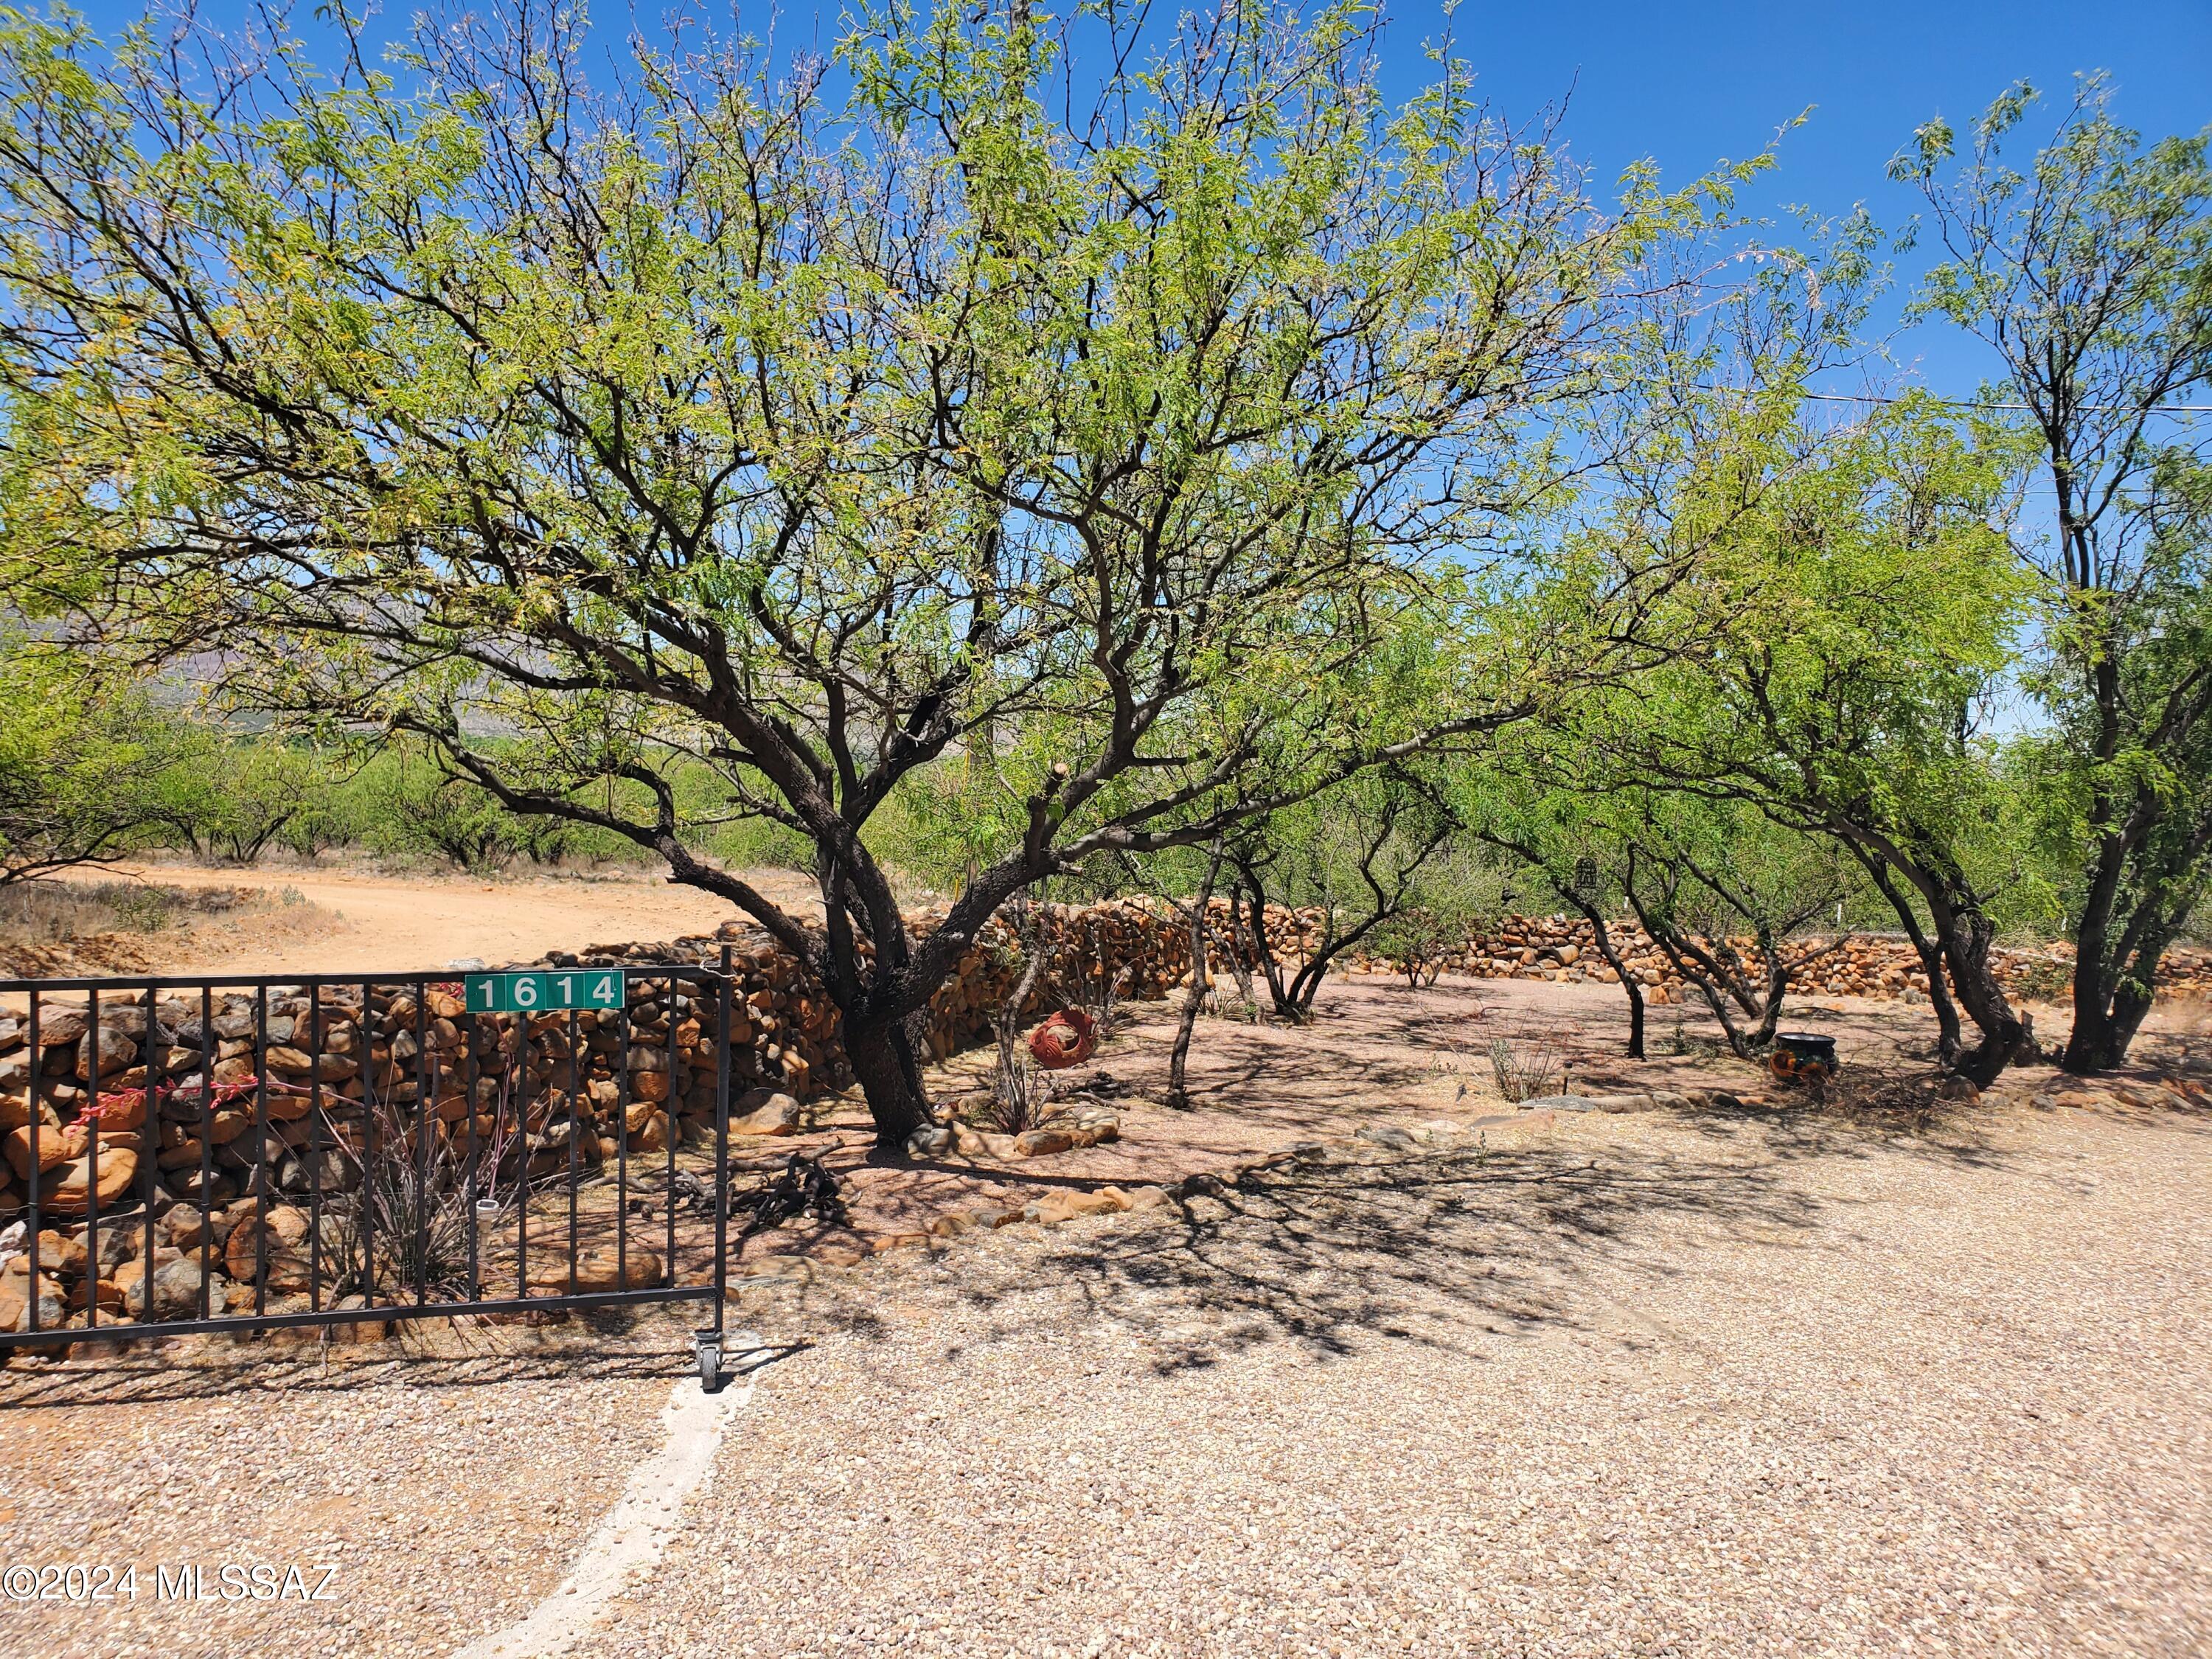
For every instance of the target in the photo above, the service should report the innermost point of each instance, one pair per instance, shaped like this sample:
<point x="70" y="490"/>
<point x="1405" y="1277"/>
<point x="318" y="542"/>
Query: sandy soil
<point x="428" y="1487"/>
<point x="353" y="921"/>
<point x="1377" y="1054"/>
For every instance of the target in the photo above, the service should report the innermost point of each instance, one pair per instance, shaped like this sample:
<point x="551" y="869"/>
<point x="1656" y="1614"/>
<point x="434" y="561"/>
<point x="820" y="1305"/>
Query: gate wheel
<point x="709" y="1347"/>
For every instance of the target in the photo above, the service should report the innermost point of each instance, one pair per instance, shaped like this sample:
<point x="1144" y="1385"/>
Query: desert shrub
<point x="425" y="815"/>
<point x="403" y="805"/>
<point x="759" y="844"/>
<point x="230" y="798"/>
<point x="1523" y="1071"/>
<point x="1451" y="897"/>
<point x="1021" y="1094"/>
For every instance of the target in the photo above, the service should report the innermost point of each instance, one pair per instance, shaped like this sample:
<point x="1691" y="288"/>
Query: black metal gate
<point x="191" y="1155"/>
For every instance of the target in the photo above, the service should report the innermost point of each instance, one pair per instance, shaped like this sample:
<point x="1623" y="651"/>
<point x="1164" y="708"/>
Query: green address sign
<point x="536" y="993"/>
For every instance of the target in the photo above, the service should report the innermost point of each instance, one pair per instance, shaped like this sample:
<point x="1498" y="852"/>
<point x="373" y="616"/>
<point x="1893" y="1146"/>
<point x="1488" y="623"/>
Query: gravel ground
<point x="446" y="1491"/>
<point x="1626" y="1385"/>
<point x="1633" y="1386"/>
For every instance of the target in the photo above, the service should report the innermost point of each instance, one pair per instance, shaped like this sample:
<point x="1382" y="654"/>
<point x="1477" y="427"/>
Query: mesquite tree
<point x="2089" y="271"/>
<point x="1700" y="876"/>
<point x="85" y="766"/>
<point x="1361" y="856"/>
<point x="815" y="430"/>
<point x="1565" y="837"/>
<point x="1871" y="597"/>
<point x="1838" y="603"/>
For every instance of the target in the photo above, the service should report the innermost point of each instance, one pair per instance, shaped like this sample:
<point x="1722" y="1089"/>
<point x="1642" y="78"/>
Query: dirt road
<point x="353" y="923"/>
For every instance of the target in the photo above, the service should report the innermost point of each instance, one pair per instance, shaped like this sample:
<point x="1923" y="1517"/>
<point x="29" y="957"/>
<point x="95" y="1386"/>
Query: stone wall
<point x="1883" y="966"/>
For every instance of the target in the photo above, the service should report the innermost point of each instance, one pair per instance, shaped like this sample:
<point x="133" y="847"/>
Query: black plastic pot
<point x="1797" y="1052"/>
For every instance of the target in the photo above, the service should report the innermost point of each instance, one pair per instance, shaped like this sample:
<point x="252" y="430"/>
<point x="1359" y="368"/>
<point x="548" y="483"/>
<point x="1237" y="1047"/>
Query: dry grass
<point x="58" y="913"/>
<point x="57" y="928"/>
<point x="1523" y="1071"/>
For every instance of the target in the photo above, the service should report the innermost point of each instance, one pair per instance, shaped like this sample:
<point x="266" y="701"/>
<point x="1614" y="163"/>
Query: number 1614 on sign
<point x="531" y="994"/>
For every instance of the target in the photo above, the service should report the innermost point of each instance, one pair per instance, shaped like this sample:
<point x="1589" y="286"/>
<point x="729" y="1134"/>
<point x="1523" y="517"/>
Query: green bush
<point x="84" y="763"/>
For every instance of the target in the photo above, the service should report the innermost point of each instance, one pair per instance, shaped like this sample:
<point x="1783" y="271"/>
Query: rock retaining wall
<point x="1883" y="966"/>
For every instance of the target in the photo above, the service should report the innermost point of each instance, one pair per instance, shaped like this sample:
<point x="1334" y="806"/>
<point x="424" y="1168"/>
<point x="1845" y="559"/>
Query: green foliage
<point x="403" y="803"/>
<point x="1842" y="606"/>
<point x="2088" y="269"/>
<point x="234" y="797"/>
<point x="1846" y="606"/>
<point x="908" y="469"/>
<point x="725" y="425"/>
<point x="84" y="763"/>
<point x="1447" y="901"/>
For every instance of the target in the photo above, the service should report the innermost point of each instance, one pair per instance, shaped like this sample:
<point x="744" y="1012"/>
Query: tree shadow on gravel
<point x="1953" y="1133"/>
<point x="1425" y="1250"/>
<point x="1903" y="1115"/>
<point x="604" y="1350"/>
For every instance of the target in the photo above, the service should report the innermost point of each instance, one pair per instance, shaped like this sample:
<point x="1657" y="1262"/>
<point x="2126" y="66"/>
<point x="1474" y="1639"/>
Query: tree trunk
<point x="1254" y="896"/>
<point x="1239" y="960"/>
<point x="2096" y="975"/>
<point x="885" y="1065"/>
<point x="2095" y="1043"/>
<point x="1948" y="1040"/>
<point x="1295" y="1001"/>
<point x="2130" y="1004"/>
<point x="1777" y="987"/>
<point x="2104" y="1021"/>
<point x="1715" y="975"/>
<point x="1631" y="987"/>
<point x="2114" y="977"/>
<point x="1177" y="1095"/>
<point x="1958" y="941"/>
<point x="1718" y="1001"/>
<point x="1966" y="940"/>
<point x="2089" y="1045"/>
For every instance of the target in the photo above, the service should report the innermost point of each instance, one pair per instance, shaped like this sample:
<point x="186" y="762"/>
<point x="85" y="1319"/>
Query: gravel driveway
<point x="1628" y="1385"/>
<point x="420" y="1499"/>
<point x="1636" y="1386"/>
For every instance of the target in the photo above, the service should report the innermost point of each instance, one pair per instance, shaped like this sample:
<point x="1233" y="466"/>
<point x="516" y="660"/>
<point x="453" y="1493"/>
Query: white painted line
<point x="635" y="1531"/>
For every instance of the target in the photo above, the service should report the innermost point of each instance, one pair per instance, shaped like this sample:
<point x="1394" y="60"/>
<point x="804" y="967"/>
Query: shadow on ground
<point x="1419" y="1250"/>
<point x="606" y="1347"/>
<point x="1446" y="1247"/>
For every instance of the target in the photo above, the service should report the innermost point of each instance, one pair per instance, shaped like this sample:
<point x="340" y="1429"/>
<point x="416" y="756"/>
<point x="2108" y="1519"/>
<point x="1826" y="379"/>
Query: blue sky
<point x="1686" y="84"/>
